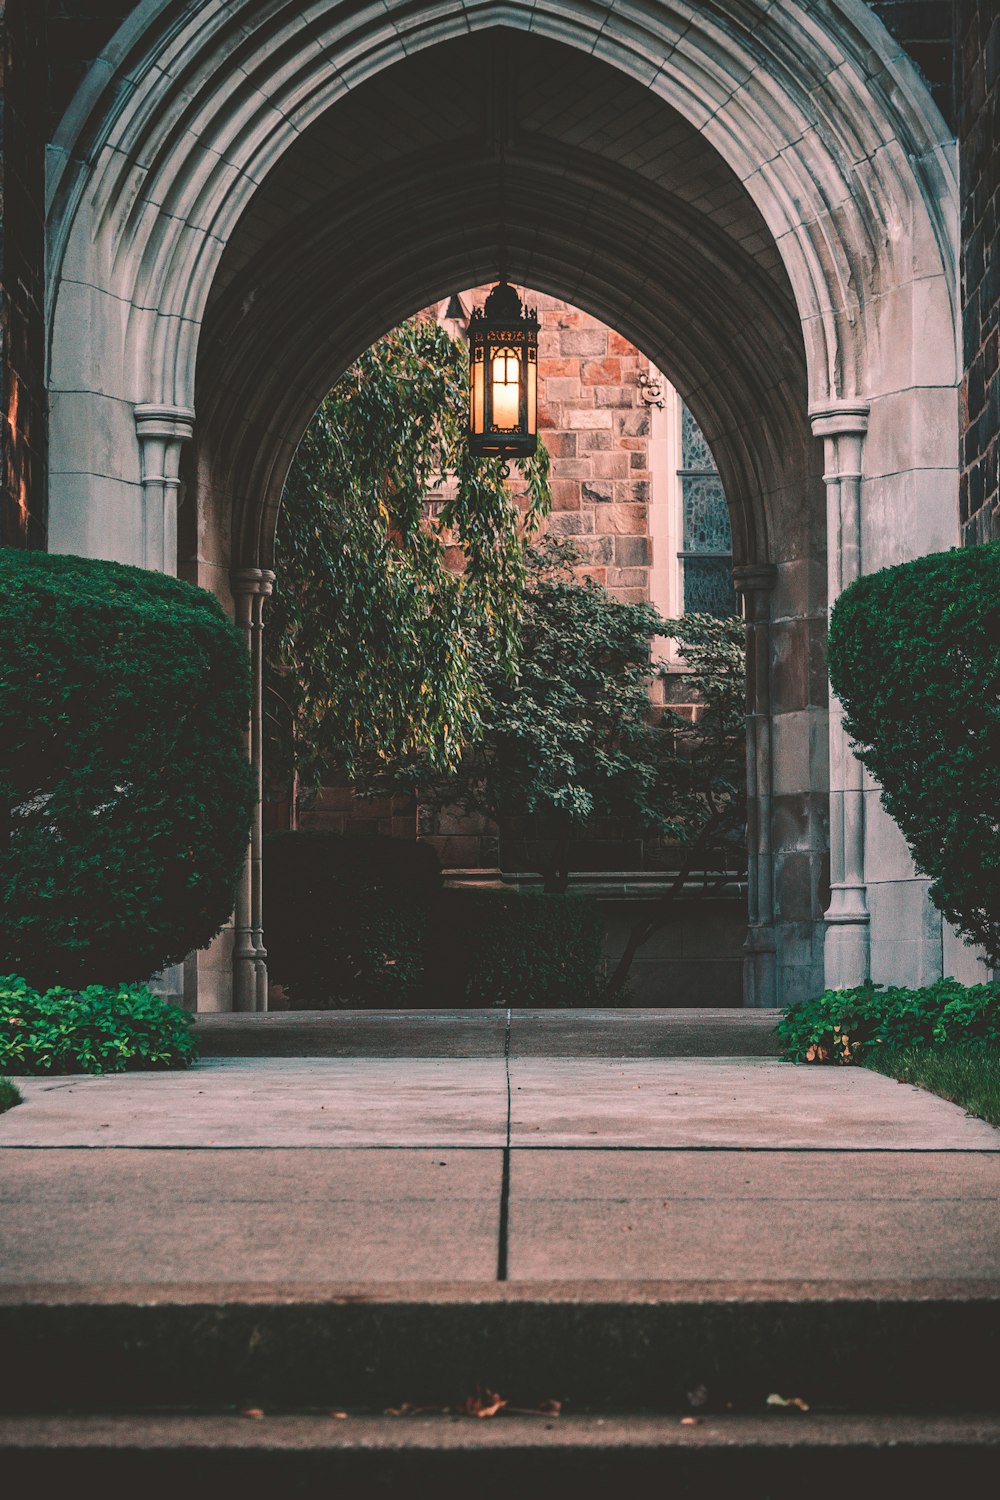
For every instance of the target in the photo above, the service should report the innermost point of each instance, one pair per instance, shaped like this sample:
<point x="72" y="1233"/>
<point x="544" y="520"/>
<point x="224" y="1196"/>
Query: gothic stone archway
<point x="761" y="197"/>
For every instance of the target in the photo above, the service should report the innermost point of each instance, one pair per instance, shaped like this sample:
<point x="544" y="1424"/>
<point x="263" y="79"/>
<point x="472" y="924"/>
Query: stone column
<point x="162" y="432"/>
<point x="250" y="587"/>
<point x="755" y="582"/>
<point x="842" y="426"/>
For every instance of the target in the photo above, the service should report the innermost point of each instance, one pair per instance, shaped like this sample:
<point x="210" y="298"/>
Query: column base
<point x="846" y="952"/>
<point x="245" y="980"/>
<point x="760" y="970"/>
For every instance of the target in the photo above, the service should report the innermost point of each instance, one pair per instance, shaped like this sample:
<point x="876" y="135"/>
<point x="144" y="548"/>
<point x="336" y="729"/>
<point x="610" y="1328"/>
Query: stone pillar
<point x="250" y="587"/>
<point x="162" y="432"/>
<point x="842" y="426"/>
<point x="755" y="582"/>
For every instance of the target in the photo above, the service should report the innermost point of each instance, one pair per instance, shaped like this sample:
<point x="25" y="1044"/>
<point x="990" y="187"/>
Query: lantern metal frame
<point x="503" y="327"/>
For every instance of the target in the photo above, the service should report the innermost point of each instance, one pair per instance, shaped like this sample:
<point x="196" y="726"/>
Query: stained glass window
<point x="707" y="542"/>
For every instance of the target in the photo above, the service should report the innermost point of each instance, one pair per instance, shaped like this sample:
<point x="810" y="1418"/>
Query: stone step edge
<point x="597" y="1347"/>
<point x="435" y="1430"/>
<point x="453" y="1457"/>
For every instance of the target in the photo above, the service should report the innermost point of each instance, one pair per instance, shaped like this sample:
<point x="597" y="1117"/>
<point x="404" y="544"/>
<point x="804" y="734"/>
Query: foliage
<point x="915" y="659"/>
<point x="847" y="1025"/>
<point x="572" y="737"/>
<point x="348" y="918"/>
<point x="125" y="792"/>
<point x="358" y="921"/>
<point x="526" y="949"/>
<point x="378" y="613"/>
<point x="968" y="1076"/>
<point x="96" y="1030"/>
<point x="9" y="1095"/>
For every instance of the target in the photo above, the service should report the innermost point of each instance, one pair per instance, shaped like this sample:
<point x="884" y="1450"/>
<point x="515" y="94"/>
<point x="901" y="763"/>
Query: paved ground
<point x="497" y="1162"/>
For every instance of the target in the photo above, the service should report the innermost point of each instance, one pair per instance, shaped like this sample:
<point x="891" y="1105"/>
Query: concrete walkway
<point x="500" y="1162"/>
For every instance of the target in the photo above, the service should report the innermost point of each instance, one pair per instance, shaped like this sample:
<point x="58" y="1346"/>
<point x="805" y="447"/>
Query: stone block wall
<point x="979" y="135"/>
<point x="22" y="257"/>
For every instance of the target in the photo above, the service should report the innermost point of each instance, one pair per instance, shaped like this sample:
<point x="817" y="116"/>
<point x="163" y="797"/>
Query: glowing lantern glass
<point x="503" y="376"/>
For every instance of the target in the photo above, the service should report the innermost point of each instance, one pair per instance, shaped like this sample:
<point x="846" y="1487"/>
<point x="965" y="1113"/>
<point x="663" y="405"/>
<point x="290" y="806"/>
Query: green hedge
<point x="522" y="949"/>
<point x="347" y="918"/>
<point x="98" y="1030"/>
<point x="125" y="792"/>
<point x="842" y="1026"/>
<point x="355" y="921"/>
<point x="915" y="659"/>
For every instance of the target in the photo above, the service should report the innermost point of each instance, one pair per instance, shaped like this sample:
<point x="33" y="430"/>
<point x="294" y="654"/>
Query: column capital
<point x="839" y="418"/>
<point x="251" y="581"/>
<point x="755" y="578"/>
<point x="155" y="420"/>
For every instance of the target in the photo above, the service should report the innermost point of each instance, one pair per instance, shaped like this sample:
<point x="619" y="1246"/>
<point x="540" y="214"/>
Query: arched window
<point x="689" y="519"/>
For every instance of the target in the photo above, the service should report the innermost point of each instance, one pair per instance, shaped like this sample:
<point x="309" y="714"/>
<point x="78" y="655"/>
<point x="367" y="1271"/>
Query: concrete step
<point x="763" y="1455"/>
<point x="594" y="1347"/>
<point x="607" y="1033"/>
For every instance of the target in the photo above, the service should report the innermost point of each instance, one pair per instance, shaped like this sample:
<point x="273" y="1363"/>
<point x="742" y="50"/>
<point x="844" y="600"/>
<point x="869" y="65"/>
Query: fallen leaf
<point x="482" y="1404"/>
<point x="252" y="1411"/>
<point x="691" y="1421"/>
<point x="341" y="1415"/>
<point x="775" y="1400"/>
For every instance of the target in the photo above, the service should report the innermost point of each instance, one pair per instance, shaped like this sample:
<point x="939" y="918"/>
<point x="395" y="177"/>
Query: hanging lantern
<point x="503" y="376"/>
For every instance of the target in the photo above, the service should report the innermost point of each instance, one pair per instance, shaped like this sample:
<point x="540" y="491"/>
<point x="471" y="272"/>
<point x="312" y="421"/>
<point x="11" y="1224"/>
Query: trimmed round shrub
<point x="527" y="949"/>
<point x="915" y="659"/>
<point x="347" y="917"/>
<point x="841" y="1026"/>
<point x="97" y="1030"/>
<point x="125" y="792"/>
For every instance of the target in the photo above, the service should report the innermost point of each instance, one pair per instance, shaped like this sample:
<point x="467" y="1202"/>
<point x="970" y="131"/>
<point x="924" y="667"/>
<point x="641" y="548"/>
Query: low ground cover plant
<point x="100" y="1029"/>
<point x="850" y="1025"/>
<point x="9" y="1095"/>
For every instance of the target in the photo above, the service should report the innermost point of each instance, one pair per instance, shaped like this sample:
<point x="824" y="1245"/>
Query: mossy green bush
<point x="530" y="949"/>
<point x="843" y="1026"/>
<point x="125" y="792"/>
<point x="347" y="918"/>
<point x="914" y="657"/>
<point x="96" y="1030"/>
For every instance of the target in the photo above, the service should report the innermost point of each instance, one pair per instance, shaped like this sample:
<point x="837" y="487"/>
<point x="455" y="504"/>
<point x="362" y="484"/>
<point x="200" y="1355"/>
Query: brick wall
<point x="979" y="134"/>
<point x="596" y="426"/>
<point x="22" y="241"/>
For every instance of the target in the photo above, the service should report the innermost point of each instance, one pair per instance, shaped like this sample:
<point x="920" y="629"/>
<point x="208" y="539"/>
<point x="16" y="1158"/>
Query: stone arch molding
<point x="819" y="114"/>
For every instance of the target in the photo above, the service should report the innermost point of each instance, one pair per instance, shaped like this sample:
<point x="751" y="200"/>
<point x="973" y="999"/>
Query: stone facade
<point x="980" y="165"/>
<point x="729" y="216"/>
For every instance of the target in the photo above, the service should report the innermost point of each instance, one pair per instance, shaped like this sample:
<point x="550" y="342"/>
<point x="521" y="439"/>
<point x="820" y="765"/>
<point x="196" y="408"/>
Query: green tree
<point x="382" y="603"/>
<point x="573" y="737"/>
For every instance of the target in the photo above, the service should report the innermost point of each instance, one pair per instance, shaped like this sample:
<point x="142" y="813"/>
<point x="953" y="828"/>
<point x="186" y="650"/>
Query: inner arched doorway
<point x="760" y="198"/>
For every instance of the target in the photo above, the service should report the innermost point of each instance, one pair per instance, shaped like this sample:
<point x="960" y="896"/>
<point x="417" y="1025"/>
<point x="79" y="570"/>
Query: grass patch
<point x="969" y="1076"/>
<point x="9" y="1095"/>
